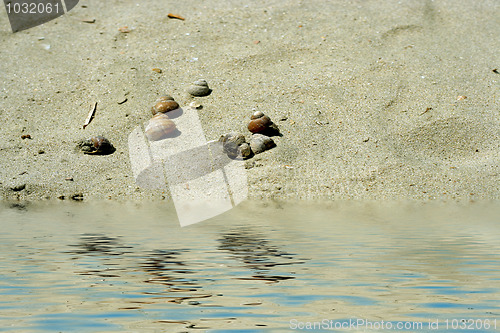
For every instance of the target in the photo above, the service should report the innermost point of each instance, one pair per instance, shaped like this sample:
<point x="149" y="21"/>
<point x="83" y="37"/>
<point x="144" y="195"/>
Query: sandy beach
<point x="376" y="100"/>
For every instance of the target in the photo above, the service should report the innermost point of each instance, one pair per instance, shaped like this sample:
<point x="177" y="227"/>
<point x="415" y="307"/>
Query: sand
<point x="366" y="94"/>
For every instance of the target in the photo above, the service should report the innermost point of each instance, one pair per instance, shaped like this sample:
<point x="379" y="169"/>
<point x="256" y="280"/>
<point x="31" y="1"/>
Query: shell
<point x="195" y="105"/>
<point x="97" y="145"/>
<point x="260" y="124"/>
<point x="160" y="127"/>
<point x="259" y="143"/>
<point x="257" y="114"/>
<point x="164" y="106"/>
<point x="165" y="98"/>
<point x="199" y="88"/>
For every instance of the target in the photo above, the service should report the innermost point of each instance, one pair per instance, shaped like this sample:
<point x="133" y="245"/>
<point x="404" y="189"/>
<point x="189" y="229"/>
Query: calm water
<point x="257" y="268"/>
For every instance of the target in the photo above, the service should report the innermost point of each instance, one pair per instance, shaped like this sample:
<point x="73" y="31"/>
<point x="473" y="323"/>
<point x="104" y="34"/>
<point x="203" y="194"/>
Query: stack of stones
<point x="160" y="126"/>
<point x="262" y="129"/>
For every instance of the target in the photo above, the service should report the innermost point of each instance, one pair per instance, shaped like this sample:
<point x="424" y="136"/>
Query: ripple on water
<point x="70" y="269"/>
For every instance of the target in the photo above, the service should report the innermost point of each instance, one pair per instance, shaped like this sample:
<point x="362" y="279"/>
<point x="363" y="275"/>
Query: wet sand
<point x="366" y="94"/>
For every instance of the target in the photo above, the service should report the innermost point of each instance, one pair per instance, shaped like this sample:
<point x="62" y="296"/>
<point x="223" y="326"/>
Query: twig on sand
<point x="91" y="115"/>
<point x="175" y="16"/>
<point x="426" y="110"/>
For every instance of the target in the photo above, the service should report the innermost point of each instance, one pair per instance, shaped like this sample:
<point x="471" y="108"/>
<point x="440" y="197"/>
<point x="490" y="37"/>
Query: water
<point x="258" y="268"/>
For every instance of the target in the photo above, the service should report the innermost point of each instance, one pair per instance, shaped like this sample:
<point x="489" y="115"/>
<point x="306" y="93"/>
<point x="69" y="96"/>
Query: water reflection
<point x="98" y="244"/>
<point x="20" y="206"/>
<point x="168" y="269"/>
<point x="162" y="264"/>
<point x="257" y="254"/>
<point x="161" y="267"/>
<point x="71" y="271"/>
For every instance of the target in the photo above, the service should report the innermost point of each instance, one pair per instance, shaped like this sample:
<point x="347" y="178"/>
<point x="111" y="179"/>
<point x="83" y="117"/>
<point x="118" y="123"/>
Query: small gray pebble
<point x="245" y="150"/>
<point x="18" y="187"/>
<point x="233" y="137"/>
<point x="259" y="143"/>
<point x="231" y="143"/>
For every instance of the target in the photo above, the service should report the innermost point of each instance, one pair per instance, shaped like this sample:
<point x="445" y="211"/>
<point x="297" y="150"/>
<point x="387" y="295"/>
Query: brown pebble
<point x="41" y="151"/>
<point x="25" y="136"/>
<point x="124" y="30"/>
<point x="157" y="70"/>
<point x="175" y="16"/>
<point x="256" y="41"/>
<point x="69" y="179"/>
<point x="495" y="71"/>
<point x="461" y="97"/>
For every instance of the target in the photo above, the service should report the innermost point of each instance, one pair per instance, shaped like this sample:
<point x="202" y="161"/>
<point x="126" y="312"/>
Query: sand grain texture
<point x="364" y="92"/>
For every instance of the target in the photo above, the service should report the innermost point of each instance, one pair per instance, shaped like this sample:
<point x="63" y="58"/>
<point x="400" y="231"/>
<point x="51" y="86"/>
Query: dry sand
<point x="365" y="93"/>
